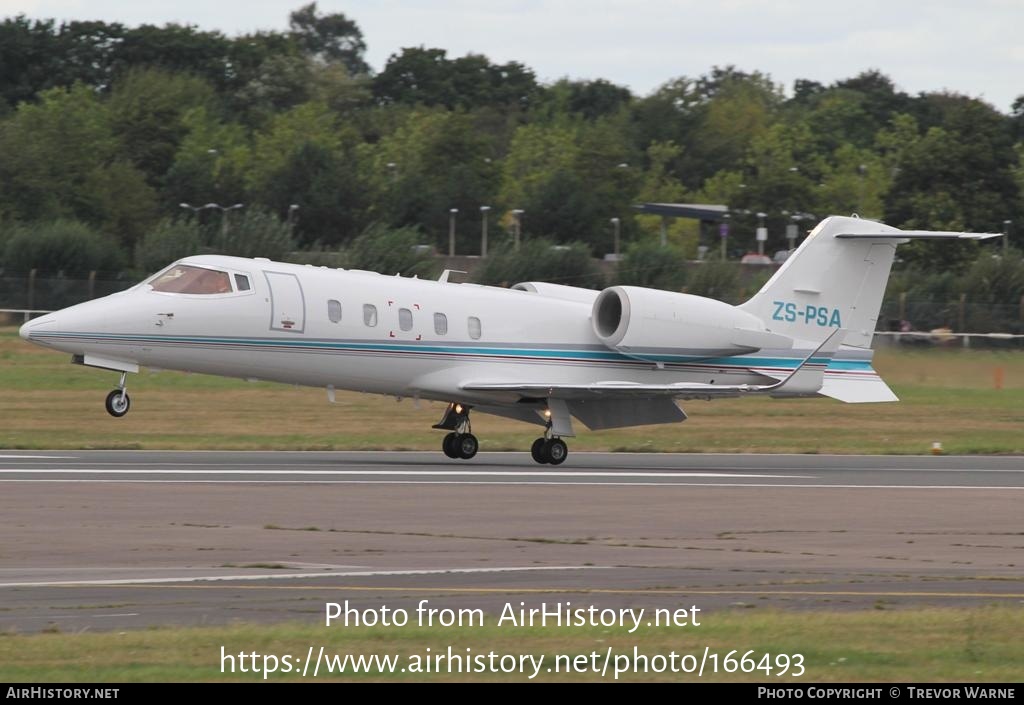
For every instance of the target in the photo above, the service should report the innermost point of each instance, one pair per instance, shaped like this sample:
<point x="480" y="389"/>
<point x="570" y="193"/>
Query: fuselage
<point x="369" y="332"/>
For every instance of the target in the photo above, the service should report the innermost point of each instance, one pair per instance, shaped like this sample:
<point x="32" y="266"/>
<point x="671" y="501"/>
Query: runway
<point x="876" y="472"/>
<point x="126" y="539"/>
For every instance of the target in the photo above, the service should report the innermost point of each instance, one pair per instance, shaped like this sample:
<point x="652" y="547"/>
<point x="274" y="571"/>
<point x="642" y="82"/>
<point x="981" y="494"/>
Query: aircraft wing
<point x="805" y="379"/>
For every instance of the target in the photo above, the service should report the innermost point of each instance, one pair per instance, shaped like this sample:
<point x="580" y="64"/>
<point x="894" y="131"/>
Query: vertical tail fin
<point x="836" y="279"/>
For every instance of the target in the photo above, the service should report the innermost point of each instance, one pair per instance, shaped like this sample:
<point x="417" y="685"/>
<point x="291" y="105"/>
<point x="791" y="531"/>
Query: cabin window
<point x="405" y="319"/>
<point x="242" y="282"/>
<point x="474" y="328"/>
<point x="187" y="279"/>
<point x="334" y="310"/>
<point x="440" y="324"/>
<point x="370" y="315"/>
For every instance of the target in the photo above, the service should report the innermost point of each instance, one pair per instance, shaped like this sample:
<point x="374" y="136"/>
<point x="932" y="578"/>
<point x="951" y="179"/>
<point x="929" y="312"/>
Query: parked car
<point x="754" y="258"/>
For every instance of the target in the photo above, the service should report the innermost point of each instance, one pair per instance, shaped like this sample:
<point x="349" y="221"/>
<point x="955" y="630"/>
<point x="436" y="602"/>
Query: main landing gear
<point x="460" y="443"/>
<point x="549" y="451"/>
<point x="118" y="401"/>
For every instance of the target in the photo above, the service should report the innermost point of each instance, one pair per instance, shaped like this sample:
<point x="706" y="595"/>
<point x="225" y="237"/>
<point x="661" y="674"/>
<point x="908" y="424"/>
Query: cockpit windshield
<point x="187" y="279"/>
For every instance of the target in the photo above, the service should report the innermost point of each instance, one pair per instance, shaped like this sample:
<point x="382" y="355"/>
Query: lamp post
<point x="723" y="233"/>
<point x="224" y="219"/>
<point x="224" y="215"/>
<point x="793" y="231"/>
<point x="195" y="209"/>
<point x="292" y="217"/>
<point x="483" y="231"/>
<point x="622" y="167"/>
<point x="451" y="231"/>
<point x="762" y="233"/>
<point x="862" y="169"/>
<point x="1006" y="235"/>
<point x="518" y="213"/>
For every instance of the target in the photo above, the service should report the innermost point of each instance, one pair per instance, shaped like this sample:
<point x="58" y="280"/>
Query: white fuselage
<point x="538" y="352"/>
<point x="247" y="334"/>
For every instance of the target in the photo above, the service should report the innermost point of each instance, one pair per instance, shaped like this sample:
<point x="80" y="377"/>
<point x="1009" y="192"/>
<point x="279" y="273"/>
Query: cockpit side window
<point x="187" y="279"/>
<point x="242" y="282"/>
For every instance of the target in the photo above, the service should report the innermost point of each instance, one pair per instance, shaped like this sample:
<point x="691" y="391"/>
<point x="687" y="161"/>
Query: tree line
<point x="114" y="137"/>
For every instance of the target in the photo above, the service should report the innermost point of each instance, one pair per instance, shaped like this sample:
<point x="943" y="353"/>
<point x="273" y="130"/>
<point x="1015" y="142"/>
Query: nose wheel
<point x="118" y="401"/>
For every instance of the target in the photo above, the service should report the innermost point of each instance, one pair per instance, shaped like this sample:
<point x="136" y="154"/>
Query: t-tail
<point x="836" y="279"/>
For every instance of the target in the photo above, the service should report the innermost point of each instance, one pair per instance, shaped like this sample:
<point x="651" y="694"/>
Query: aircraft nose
<point x="26" y="329"/>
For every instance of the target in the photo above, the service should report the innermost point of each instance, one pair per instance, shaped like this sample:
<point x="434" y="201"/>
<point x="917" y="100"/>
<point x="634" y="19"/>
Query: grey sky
<point x="974" y="47"/>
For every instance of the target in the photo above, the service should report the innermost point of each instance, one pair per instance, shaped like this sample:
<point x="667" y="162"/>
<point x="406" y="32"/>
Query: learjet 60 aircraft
<point x="540" y="353"/>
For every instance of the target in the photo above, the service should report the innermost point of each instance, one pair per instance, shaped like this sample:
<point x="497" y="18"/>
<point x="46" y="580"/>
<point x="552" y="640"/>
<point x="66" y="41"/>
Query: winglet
<point x="808" y="376"/>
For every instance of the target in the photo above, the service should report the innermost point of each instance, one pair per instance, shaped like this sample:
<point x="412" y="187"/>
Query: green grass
<point x="919" y="645"/>
<point x="948" y="396"/>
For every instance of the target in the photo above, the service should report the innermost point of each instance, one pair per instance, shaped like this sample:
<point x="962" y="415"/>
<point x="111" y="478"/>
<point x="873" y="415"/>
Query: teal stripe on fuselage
<point x="535" y="354"/>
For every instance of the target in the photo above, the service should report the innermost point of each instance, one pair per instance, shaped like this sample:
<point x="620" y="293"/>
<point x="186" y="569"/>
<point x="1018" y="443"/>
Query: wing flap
<point x="601" y="414"/>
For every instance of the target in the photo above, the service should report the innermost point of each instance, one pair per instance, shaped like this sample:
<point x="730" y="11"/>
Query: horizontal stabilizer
<point x="918" y="235"/>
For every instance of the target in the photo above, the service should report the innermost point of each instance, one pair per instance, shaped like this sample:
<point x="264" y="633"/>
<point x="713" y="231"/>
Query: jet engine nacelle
<point x="644" y="323"/>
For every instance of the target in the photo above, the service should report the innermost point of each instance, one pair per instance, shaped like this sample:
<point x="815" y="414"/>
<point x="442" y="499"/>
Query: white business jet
<point x="540" y="353"/>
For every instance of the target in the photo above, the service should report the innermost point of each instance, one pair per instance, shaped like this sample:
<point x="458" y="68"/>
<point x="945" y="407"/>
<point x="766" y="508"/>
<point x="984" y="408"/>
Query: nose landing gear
<point x="118" y="401"/>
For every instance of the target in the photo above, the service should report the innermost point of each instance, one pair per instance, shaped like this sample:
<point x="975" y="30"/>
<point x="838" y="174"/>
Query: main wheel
<point x="448" y="445"/>
<point x="556" y="451"/>
<point x="467" y="446"/>
<point x="537" y="451"/>
<point x="118" y="403"/>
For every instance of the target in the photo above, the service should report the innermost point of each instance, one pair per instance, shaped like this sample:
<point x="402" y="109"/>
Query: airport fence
<point x="31" y="292"/>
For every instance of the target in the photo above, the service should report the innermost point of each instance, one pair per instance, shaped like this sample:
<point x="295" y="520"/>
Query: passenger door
<point x="287" y="303"/>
